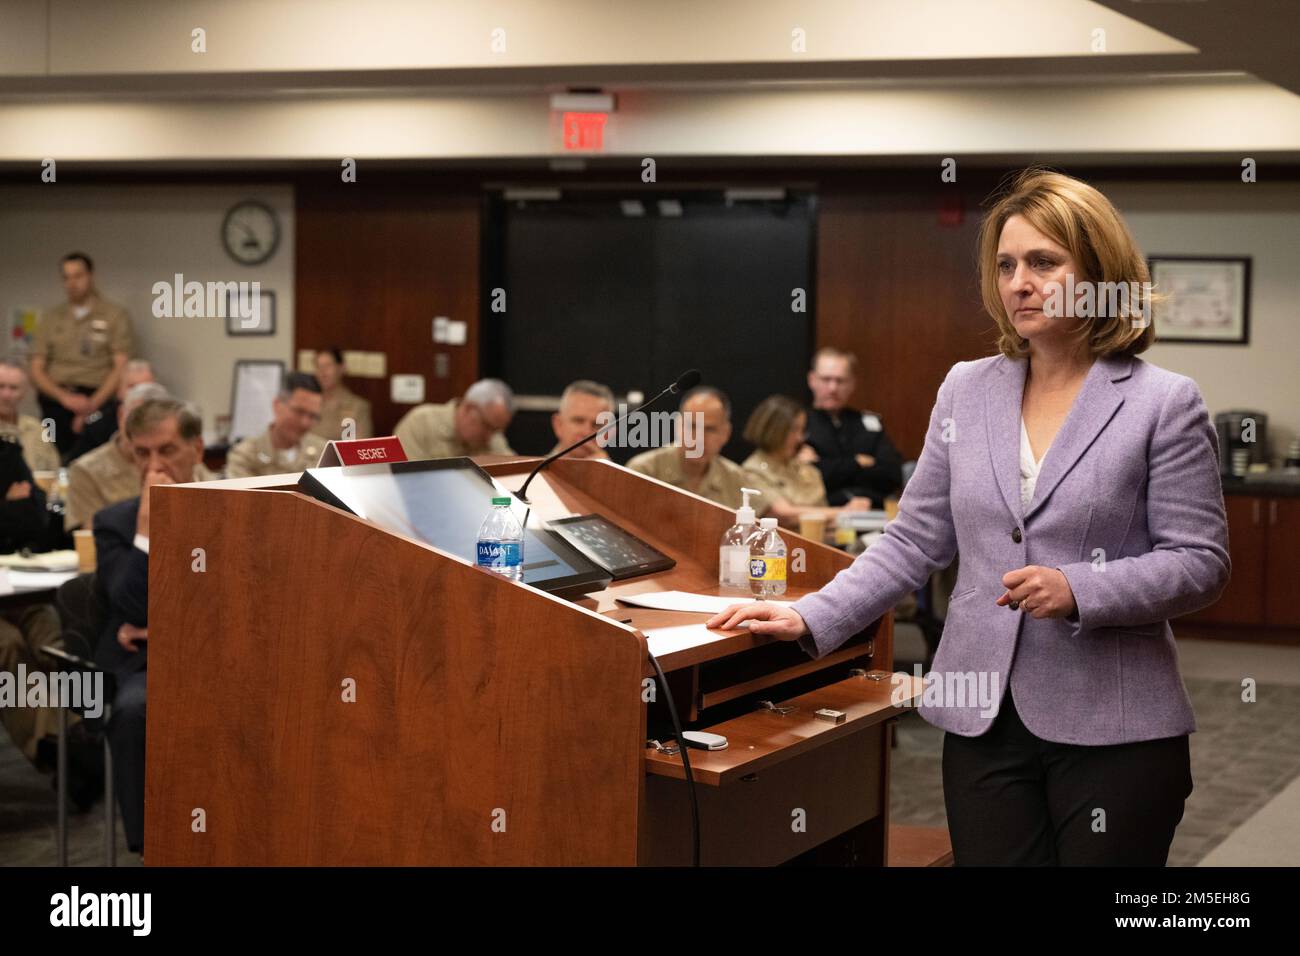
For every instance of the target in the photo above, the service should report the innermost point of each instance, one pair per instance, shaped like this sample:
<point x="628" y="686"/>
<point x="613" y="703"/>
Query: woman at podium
<point x="1080" y="485"/>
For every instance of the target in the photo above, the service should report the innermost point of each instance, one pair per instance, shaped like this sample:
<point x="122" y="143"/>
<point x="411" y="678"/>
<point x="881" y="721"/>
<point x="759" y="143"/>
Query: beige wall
<point x="1260" y="220"/>
<point x="139" y="235"/>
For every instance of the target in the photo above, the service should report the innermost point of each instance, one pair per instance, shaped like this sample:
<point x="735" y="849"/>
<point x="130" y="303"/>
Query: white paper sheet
<point x="49" y="561"/>
<point x="666" y="640"/>
<point x="34" y="580"/>
<point x="687" y="601"/>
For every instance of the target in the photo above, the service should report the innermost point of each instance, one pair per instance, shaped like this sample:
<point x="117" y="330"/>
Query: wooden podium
<point x="324" y="692"/>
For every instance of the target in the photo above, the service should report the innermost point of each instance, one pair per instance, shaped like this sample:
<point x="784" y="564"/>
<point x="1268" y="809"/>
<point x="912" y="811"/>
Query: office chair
<point x="83" y="616"/>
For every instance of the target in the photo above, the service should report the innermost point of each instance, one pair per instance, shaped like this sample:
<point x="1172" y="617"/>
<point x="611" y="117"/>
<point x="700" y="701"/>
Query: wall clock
<point x="251" y="232"/>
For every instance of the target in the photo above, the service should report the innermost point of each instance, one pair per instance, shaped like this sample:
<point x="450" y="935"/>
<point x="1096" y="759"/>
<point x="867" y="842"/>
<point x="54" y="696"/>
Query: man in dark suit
<point x="166" y="439"/>
<point x="850" y="448"/>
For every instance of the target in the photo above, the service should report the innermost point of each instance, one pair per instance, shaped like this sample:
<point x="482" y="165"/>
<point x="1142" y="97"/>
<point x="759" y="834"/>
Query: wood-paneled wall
<point x="897" y="285"/>
<point x="375" y="262"/>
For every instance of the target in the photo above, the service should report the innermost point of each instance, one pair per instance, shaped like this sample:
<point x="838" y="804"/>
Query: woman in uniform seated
<point x="790" y="483"/>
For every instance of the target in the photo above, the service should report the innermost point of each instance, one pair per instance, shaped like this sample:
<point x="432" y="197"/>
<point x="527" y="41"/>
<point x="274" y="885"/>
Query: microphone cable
<point x="686" y="760"/>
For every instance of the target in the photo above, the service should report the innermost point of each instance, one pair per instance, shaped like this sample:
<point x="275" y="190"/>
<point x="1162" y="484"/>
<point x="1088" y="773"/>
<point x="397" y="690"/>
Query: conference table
<point x="41" y="590"/>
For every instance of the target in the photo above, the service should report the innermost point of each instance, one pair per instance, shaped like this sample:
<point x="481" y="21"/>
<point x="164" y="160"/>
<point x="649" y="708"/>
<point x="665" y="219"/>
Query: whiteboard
<point x="256" y="384"/>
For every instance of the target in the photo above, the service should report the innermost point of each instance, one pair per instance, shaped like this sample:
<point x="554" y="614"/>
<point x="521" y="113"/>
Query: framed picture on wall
<point x="1207" y="299"/>
<point x="253" y="387"/>
<point x="254" y="317"/>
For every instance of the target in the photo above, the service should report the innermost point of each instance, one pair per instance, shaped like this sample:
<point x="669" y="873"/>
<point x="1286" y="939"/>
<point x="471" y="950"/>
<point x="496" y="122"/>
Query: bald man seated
<point x="695" y="463"/>
<point x="39" y="450"/>
<point x="470" y="425"/>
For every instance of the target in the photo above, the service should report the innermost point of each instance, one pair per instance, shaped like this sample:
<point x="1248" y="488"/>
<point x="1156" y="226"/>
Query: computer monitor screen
<point x="443" y="503"/>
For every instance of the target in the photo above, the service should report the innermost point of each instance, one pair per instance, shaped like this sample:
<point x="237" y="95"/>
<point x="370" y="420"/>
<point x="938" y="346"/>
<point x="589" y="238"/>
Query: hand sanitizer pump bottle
<point x="733" y="553"/>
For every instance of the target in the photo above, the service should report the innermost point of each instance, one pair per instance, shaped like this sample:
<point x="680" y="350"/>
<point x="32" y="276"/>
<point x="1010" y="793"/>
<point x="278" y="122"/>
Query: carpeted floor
<point x="27" y="819"/>
<point x="1243" y="756"/>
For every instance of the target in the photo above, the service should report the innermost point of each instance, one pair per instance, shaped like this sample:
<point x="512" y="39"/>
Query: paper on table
<point x="666" y="640"/>
<point x="35" y="580"/>
<point x="687" y="601"/>
<point x="49" y="561"/>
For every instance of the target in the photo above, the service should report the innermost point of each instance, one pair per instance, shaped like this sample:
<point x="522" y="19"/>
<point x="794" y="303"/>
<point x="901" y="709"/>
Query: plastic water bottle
<point x="766" y="561"/>
<point x="501" y="542"/>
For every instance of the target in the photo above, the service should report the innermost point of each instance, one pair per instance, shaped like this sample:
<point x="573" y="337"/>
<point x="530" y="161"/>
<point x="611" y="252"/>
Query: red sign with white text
<point x="370" y="451"/>
<point x="584" y="131"/>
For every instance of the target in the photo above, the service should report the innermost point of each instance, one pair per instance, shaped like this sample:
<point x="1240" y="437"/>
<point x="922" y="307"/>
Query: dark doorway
<point x="632" y="288"/>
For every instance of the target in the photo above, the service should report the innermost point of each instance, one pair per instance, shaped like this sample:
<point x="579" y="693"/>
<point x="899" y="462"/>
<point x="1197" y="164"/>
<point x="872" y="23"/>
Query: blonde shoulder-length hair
<point x="1082" y="220"/>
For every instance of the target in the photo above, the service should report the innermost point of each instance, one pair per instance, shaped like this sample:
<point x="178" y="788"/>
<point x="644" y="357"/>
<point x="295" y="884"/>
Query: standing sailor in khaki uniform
<point x="339" y="404"/>
<point x="287" y="445"/>
<point x="40" y="455"/>
<point x="471" y="425"/>
<point x="78" y="350"/>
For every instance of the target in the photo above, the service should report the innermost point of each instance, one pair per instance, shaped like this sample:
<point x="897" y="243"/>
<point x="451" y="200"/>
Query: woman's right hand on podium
<point x="779" y="620"/>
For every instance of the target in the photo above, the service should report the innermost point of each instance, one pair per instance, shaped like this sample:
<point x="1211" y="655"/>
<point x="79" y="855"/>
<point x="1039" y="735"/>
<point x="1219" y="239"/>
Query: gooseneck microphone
<point x="685" y="382"/>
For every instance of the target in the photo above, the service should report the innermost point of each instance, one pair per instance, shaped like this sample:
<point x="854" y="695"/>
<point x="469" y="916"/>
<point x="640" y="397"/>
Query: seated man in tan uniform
<point x="40" y="454"/>
<point x="579" y="415"/>
<point x="287" y="445"/>
<point x="471" y="425"/>
<point x="108" y="474"/>
<point x="343" y="413"/>
<point x="791" y="485"/>
<point x="695" y="463"/>
<point x="78" y="350"/>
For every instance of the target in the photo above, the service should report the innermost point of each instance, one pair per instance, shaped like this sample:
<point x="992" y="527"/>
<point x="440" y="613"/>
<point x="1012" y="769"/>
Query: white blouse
<point x="1029" y="468"/>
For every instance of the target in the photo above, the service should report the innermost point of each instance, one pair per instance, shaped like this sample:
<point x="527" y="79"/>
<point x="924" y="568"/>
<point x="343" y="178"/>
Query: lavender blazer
<point x="1128" y="505"/>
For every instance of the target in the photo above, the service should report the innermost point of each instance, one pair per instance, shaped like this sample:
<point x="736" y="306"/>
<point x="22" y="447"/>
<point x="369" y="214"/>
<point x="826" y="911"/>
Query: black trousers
<point x="1016" y="800"/>
<point x="126" y="740"/>
<point x="73" y="445"/>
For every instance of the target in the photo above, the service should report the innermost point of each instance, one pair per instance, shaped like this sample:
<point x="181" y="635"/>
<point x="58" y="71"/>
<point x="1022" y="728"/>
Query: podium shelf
<point x="764" y="738"/>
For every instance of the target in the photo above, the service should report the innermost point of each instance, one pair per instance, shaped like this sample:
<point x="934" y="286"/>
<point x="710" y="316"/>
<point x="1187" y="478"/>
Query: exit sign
<point x="585" y="131"/>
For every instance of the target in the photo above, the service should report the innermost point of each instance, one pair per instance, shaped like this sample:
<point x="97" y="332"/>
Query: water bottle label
<point x="767" y="569"/>
<point x="499" y="554"/>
